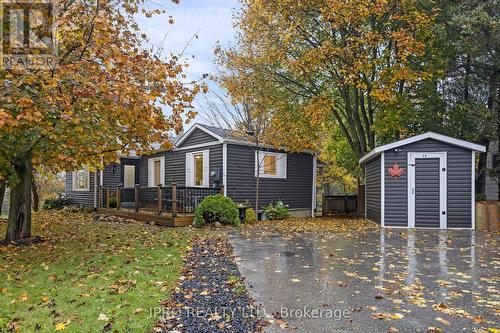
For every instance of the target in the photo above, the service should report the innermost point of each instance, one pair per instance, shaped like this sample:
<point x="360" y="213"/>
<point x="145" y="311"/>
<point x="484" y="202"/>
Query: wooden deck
<point x="165" y="219"/>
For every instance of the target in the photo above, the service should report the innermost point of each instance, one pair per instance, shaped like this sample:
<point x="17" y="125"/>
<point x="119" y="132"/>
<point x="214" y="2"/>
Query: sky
<point x="210" y="20"/>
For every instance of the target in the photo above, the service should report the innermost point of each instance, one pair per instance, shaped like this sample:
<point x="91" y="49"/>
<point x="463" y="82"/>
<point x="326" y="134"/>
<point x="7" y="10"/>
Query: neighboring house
<point x="492" y="162"/>
<point x="426" y="181"/>
<point x="211" y="157"/>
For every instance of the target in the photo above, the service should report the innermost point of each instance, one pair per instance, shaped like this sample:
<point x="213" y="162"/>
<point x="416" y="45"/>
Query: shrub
<point x="113" y="202"/>
<point x="481" y="197"/>
<point x="217" y="208"/>
<point x="276" y="211"/>
<point x="57" y="203"/>
<point x="250" y="216"/>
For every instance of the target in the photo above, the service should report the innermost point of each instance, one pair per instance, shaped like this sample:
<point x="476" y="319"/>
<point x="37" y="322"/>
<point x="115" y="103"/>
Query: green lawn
<point x="88" y="277"/>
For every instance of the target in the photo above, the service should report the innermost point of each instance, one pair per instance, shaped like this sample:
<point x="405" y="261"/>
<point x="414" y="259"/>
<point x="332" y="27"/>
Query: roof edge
<point x="192" y="129"/>
<point x="428" y="135"/>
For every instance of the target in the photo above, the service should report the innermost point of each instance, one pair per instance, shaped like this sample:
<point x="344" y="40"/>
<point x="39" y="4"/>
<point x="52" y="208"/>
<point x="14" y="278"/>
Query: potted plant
<point x="242" y="209"/>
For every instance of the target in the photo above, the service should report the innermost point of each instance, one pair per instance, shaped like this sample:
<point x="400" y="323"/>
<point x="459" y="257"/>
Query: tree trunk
<point x="3" y="185"/>
<point x="257" y="179"/>
<point x="36" y="197"/>
<point x="19" y="223"/>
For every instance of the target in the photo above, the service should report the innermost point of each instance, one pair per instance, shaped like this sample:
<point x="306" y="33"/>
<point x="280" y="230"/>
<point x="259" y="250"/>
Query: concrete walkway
<point x="373" y="280"/>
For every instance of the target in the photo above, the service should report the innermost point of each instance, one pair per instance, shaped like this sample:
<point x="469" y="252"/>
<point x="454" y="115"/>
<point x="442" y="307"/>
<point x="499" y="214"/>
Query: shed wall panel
<point x="372" y="188"/>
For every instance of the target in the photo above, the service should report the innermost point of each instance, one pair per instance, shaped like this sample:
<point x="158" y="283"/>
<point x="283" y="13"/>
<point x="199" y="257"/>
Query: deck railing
<point x="173" y="199"/>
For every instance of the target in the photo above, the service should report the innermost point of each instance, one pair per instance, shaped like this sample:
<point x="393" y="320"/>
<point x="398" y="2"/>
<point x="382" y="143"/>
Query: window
<point x="81" y="180"/>
<point x="270" y="165"/>
<point x="129" y="176"/>
<point x="156" y="171"/>
<point x="197" y="169"/>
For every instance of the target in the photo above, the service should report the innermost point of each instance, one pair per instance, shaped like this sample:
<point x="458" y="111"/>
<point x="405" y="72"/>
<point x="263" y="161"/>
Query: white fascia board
<point x="192" y="129"/>
<point x="428" y="135"/>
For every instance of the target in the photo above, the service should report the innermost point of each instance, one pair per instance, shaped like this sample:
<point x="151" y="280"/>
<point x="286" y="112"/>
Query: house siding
<point x="491" y="184"/>
<point x="459" y="163"/>
<point x="111" y="178"/>
<point x="85" y="198"/>
<point x="198" y="137"/>
<point x="295" y="190"/>
<point x="175" y="165"/>
<point x="372" y="190"/>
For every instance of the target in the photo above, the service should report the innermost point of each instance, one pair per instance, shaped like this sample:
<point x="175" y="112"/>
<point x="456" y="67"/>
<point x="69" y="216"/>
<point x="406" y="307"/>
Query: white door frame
<point x="442" y="156"/>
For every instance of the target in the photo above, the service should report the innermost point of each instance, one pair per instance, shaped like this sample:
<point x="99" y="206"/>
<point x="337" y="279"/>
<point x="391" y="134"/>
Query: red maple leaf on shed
<point x="396" y="171"/>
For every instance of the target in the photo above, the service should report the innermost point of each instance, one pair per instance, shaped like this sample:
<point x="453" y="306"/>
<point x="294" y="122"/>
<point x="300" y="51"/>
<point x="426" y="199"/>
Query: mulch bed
<point x="210" y="295"/>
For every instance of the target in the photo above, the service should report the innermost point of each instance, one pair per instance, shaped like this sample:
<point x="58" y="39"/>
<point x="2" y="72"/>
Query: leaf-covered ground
<point x="88" y="277"/>
<point x="340" y="224"/>
<point x="375" y="280"/>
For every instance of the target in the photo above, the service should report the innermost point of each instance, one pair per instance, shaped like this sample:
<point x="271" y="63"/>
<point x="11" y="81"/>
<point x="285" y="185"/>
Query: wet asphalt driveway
<point x="373" y="280"/>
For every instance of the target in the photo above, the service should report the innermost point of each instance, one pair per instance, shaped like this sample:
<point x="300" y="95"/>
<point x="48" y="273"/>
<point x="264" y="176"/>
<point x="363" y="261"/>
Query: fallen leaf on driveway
<point x="387" y="316"/>
<point x="295" y="280"/>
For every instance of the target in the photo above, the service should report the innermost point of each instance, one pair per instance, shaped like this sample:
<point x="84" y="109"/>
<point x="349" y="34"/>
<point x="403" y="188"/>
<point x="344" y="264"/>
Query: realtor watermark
<point x="305" y="312"/>
<point x="27" y="30"/>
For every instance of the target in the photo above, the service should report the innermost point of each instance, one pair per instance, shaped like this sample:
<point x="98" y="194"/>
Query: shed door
<point x="427" y="190"/>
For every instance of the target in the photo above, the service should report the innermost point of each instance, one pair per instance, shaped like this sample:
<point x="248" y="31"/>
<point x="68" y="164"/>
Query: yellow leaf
<point x="60" y="326"/>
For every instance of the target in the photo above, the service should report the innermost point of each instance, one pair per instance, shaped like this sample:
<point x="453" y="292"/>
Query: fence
<point x="174" y="199"/>
<point x="339" y="204"/>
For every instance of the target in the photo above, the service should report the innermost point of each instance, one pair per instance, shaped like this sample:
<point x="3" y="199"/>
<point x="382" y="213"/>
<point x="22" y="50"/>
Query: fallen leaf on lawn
<point x="138" y="310"/>
<point x="60" y="326"/>
<point x="102" y="317"/>
<point x="44" y="266"/>
<point x="493" y="330"/>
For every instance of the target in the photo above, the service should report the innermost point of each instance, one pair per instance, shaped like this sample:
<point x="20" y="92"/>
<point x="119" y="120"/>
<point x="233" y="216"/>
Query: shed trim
<point x="224" y="168"/>
<point x="382" y="189"/>
<point x="313" y="206"/>
<point x="428" y="135"/>
<point x="473" y="191"/>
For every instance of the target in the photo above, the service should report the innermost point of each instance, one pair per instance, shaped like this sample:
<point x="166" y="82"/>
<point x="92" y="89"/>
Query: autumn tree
<point x="106" y="93"/>
<point x="356" y="62"/>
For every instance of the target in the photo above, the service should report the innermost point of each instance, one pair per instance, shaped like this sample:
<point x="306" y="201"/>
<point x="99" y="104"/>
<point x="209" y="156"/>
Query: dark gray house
<point x="210" y="157"/>
<point x="425" y="181"/>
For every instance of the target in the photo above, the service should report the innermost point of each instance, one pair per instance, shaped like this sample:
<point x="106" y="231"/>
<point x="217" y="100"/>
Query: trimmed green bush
<point x="250" y="216"/>
<point x="217" y="208"/>
<point x="276" y="211"/>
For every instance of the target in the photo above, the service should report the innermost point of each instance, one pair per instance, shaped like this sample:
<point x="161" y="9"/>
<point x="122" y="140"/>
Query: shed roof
<point x="428" y="135"/>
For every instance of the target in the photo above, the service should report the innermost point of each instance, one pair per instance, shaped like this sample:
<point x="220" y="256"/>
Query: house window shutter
<point x="162" y="171"/>
<point x="206" y="168"/>
<point x="282" y="165"/>
<point x="189" y="170"/>
<point x="151" y="177"/>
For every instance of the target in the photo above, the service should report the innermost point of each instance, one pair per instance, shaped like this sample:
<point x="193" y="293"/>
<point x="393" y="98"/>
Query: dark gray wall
<point x="85" y="198"/>
<point x="175" y="165"/>
<point x="295" y="190"/>
<point x="197" y="137"/>
<point x="111" y="178"/>
<point x="458" y="188"/>
<point x="372" y="189"/>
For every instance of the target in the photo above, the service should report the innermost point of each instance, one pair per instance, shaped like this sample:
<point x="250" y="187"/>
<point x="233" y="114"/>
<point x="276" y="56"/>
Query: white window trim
<point x="150" y="171"/>
<point x="73" y="180"/>
<point x="190" y="168"/>
<point x="281" y="160"/>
